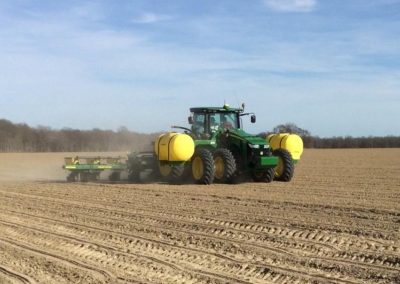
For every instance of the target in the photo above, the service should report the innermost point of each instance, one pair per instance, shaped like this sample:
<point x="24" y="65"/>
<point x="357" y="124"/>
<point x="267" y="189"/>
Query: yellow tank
<point x="291" y="142"/>
<point x="174" y="147"/>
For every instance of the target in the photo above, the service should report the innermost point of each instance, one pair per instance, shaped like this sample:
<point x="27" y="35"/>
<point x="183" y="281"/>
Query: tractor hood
<point x="242" y="135"/>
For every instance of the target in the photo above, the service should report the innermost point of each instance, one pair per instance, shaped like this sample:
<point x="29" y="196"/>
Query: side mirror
<point x="253" y="118"/>
<point x="190" y="120"/>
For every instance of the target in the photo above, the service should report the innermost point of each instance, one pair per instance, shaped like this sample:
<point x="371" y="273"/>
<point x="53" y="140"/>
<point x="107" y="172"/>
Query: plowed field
<point x="338" y="221"/>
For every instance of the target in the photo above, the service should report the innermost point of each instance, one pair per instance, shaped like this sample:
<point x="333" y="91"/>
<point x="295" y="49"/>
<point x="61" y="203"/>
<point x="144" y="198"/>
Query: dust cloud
<point x="37" y="166"/>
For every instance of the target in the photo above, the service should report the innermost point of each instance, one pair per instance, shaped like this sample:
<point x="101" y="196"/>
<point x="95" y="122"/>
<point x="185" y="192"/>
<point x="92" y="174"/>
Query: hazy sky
<point x="330" y="66"/>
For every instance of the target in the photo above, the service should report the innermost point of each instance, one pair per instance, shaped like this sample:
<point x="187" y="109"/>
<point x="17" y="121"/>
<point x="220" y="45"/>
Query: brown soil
<point x="338" y="221"/>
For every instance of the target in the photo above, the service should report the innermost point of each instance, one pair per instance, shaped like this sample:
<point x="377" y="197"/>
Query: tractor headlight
<point x="254" y="146"/>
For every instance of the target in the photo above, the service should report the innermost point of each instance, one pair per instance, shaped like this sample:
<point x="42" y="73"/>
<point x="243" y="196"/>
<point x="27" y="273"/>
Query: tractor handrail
<point x="181" y="127"/>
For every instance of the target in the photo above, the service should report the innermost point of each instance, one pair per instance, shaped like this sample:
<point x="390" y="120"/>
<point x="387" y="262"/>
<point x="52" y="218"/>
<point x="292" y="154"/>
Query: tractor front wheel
<point x="202" y="166"/>
<point x="225" y="165"/>
<point x="285" y="168"/>
<point x="264" y="176"/>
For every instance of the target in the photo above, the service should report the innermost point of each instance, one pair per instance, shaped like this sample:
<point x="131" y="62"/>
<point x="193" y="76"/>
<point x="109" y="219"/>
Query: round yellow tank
<point x="174" y="147"/>
<point x="291" y="142"/>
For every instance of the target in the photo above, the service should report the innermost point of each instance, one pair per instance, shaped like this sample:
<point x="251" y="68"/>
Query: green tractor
<point x="215" y="149"/>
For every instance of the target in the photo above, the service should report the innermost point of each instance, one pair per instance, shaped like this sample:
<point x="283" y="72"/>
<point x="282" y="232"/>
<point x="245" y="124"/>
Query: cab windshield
<point x="224" y="119"/>
<point x="209" y="123"/>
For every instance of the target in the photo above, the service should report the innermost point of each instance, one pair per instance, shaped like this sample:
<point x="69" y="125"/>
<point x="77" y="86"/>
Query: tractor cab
<point x="207" y="121"/>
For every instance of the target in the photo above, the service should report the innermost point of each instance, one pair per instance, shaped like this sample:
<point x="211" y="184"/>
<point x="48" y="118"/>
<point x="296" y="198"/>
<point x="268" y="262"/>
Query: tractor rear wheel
<point x="115" y="176"/>
<point x="83" y="176"/>
<point x="171" y="173"/>
<point x="264" y="176"/>
<point x="225" y="165"/>
<point x="285" y="168"/>
<point x="176" y="174"/>
<point x="134" y="175"/>
<point x="202" y="166"/>
<point x="72" y="177"/>
<point x="87" y="176"/>
<point x="164" y="169"/>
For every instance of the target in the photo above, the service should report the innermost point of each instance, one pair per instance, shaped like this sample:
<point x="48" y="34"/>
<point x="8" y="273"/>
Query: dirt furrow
<point x="366" y="245"/>
<point x="15" y="277"/>
<point x="201" y="261"/>
<point x="332" y="224"/>
<point x="259" y="228"/>
<point x="337" y="221"/>
<point x="56" y="266"/>
<point x="255" y="232"/>
<point x="131" y="266"/>
<point x="370" y="259"/>
<point x="97" y="253"/>
<point x="272" y="268"/>
<point x="332" y="259"/>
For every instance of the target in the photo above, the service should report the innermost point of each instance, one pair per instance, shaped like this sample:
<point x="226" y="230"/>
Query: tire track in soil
<point x="360" y="257"/>
<point x="347" y="229"/>
<point x="58" y="269"/>
<point x="313" y="237"/>
<point x="260" y="203"/>
<point x="231" y="224"/>
<point x="107" y="277"/>
<point x="98" y="253"/>
<point x="325" y="258"/>
<point x="207" y="261"/>
<point x="337" y="253"/>
<point x="338" y="206"/>
<point x="367" y="245"/>
<point x="16" y="276"/>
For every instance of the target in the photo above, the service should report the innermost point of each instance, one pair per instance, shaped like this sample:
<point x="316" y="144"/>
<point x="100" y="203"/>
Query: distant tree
<point x="291" y="128"/>
<point x="123" y="129"/>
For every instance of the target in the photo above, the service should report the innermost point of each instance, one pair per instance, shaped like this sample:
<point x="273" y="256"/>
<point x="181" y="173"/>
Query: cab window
<point x="198" y="123"/>
<point x="225" y="120"/>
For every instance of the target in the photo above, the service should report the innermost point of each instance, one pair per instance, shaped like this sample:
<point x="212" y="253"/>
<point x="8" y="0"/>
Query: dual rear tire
<point x="202" y="166"/>
<point x="208" y="167"/>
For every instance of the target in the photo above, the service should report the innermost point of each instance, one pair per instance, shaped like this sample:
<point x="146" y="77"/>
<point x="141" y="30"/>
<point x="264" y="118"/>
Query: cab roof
<point x="215" y="109"/>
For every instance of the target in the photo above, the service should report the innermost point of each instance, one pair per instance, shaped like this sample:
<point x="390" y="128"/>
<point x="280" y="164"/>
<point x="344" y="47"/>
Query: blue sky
<point x="332" y="67"/>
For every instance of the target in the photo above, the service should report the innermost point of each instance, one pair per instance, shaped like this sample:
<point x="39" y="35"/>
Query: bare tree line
<point x="352" y="142"/>
<point x="311" y="141"/>
<point x="23" y="138"/>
